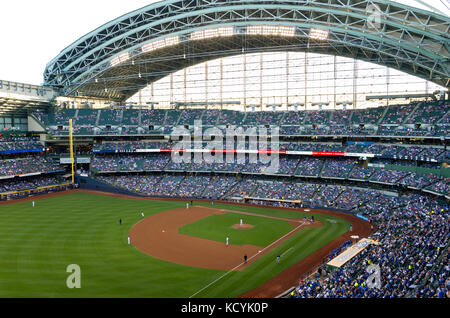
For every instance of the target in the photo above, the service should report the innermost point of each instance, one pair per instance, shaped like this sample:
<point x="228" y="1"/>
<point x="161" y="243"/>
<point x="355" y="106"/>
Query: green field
<point x="37" y="244"/>
<point x="218" y="227"/>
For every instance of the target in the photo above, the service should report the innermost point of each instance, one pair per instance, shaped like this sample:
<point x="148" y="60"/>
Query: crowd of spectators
<point x="437" y="154"/>
<point x="361" y="173"/>
<point x="130" y="163"/>
<point x="341" y="117"/>
<point x="442" y="186"/>
<point x="218" y="186"/>
<point x="395" y="120"/>
<point x="418" y="181"/>
<point x="189" y="116"/>
<point x="27" y="165"/>
<point x="143" y="184"/>
<point x="309" y="166"/>
<point x="388" y="176"/>
<point x="412" y="231"/>
<point x="397" y="114"/>
<point x="244" y="188"/>
<point x="110" y="117"/>
<point x="11" y="185"/>
<point x="210" y="117"/>
<point x="429" y="113"/>
<point x="19" y="144"/>
<point x="131" y="117"/>
<point x="337" y="168"/>
<point x="123" y="160"/>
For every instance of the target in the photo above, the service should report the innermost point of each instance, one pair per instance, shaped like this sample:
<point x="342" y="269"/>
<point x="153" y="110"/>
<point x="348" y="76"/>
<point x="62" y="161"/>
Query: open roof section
<point x="123" y="56"/>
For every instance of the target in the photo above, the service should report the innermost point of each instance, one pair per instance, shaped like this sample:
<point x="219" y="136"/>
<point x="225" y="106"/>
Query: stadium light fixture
<point x="153" y="46"/>
<point x="212" y="33"/>
<point x="269" y="30"/>
<point x="318" y="34"/>
<point x="120" y="59"/>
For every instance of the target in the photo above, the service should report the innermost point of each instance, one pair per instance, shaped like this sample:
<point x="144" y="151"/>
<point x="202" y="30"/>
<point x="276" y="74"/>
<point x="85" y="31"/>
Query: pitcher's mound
<point x="243" y="227"/>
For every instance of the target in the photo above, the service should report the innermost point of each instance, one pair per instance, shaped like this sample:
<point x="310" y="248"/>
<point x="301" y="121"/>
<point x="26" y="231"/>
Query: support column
<point x="287" y="80"/>
<point x="185" y="84"/>
<point x="261" y="63"/>
<point x="388" y="80"/>
<point x="355" y="83"/>
<point x="152" y="92"/>
<point x="221" y="84"/>
<point x="206" y="82"/>
<point x="245" y="82"/>
<point x="171" y="89"/>
<point x="335" y="79"/>
<point x="306" y="78"/>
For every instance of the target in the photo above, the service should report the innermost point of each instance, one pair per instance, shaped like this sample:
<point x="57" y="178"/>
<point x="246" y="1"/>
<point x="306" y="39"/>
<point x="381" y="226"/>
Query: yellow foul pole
<point x="71" y="150"/>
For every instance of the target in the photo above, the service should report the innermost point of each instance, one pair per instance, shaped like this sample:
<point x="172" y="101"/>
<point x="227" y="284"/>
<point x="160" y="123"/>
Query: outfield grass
<point x="37" y="244"/>
<point x="218" y="227"/>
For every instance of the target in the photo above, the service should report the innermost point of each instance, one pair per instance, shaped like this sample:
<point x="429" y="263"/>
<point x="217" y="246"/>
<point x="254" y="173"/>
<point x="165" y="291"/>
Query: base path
<point x="159" y="237"/>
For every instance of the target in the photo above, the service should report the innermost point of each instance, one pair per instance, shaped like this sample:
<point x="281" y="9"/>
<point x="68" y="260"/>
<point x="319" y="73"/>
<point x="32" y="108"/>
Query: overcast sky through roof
<point x="34" y="32"/>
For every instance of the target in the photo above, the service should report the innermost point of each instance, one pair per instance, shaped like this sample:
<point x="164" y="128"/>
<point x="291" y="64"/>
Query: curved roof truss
<point x="125" y="55"/>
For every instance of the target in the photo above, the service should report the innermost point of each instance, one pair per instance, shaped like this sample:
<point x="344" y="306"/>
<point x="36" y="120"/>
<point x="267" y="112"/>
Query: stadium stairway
<point x="351" y="117"/>
<point x="444" y="253"/>
<point x="443" y="117"/>
<point x="165" y="118"/>
<point x="382" y="116"/>
<point x="178" y="120"/>
<point x="297" y="169"/>
<point x="282" y="118"/>
<point x="413" y="112"/>
<point x="75" y="117"/>
<point x="139" y="118"/>
<point x="121" y="116"/>
<point x="321" y="170"/>
<point x="229" y="190"/>
<point x="244" y="119"/>
<point x="97" y="120"/>
<point x="201" y="116"/>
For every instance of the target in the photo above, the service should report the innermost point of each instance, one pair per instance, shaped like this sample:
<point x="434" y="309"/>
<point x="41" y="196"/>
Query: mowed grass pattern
<point x="37" y="244"/>
<point x="219" y="227"/>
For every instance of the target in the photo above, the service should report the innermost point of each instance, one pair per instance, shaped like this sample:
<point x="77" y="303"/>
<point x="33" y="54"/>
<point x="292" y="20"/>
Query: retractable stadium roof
<point x="125" y="55"/>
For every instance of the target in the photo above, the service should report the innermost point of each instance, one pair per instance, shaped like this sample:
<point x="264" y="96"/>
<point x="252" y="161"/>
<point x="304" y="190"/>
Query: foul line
<point x="231" y="270"/>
